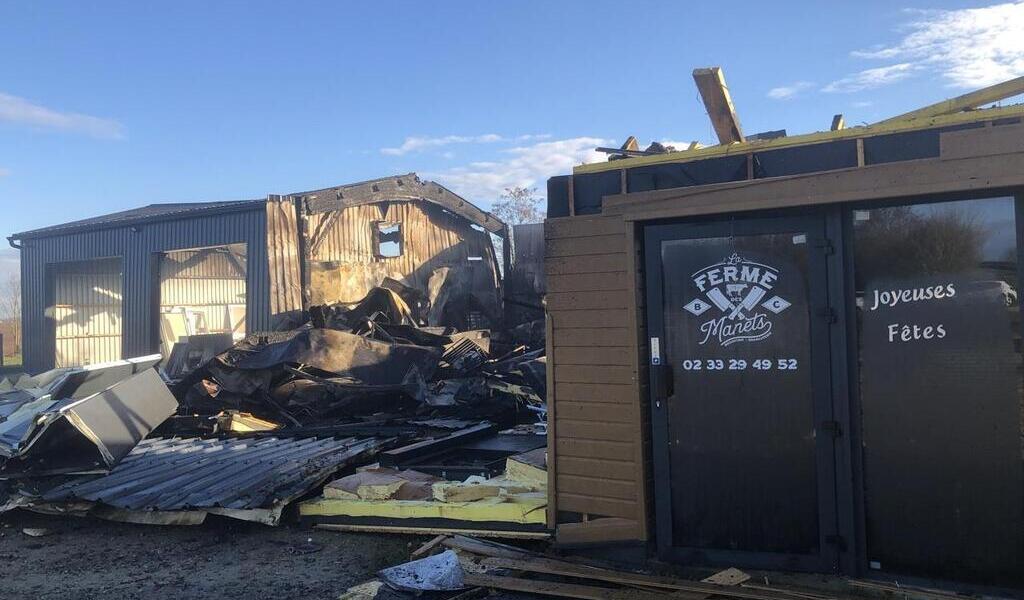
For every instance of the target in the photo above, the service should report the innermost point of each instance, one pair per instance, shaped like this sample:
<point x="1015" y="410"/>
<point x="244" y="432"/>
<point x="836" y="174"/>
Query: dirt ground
<point x="86" y="558"/>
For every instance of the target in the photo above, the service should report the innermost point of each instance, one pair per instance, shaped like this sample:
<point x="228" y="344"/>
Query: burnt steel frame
<point x="835" y="521"/>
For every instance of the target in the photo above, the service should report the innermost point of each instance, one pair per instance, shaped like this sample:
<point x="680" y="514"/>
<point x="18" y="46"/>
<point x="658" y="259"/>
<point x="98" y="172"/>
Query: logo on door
<point x="741" y="291"/>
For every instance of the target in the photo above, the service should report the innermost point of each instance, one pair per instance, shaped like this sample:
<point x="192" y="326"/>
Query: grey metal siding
<point x="136" y="245"/>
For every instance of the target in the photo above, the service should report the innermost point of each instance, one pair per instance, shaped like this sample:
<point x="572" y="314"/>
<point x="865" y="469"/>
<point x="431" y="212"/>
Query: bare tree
<point x="519" y="205"/>
<point x="10" y="309"/>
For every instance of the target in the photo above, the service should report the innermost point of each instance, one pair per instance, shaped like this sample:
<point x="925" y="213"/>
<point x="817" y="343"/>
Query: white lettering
<point x="909" y="333"/>
<point x="894" y="297"/>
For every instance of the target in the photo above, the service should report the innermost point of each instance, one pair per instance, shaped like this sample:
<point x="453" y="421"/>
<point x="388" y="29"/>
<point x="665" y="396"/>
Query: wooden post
<point x="718" y="102"/>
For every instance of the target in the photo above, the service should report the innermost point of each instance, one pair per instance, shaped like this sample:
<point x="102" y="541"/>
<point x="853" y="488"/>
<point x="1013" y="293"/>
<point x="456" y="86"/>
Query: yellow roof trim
<point x="987" y="114"/>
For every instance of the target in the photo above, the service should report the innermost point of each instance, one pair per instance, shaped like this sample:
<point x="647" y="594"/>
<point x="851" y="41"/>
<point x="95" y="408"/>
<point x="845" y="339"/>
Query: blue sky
<point x="112" y="105"/>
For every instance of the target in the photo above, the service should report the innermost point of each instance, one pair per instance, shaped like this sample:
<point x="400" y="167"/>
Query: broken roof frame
<point x="403" y="187"/>
<point x="954" y="111"/>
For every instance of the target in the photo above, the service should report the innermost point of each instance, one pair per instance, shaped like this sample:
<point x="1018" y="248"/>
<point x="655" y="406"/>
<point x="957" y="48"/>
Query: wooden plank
<point x="890" y="180"/>
<point x="428" y="547"/>
<point x="591" y="336"/>
<point x="560" y="301"/>
<point x="718" y="102"/>
<point x="598" y="531"/>
<point x="986" y="95"/>
<point x="590" y="430"/>
<point x="1005" y="139"/>
<point x="467" y="543"/>
<point x="561" y="590"/>
<point x="594" y="392"/>
<point x="552" y="402"/>
<point x="567" y="355"/>
<point x="595" y="449"/>
<point x="589" y="504"/>
<point x="598" y="411"/>
<point x="550" y="566"/>
<point x="586" y="282"/>
<point x="612" y="469"/>
<point x="595" y="263"/>
<point x="574" y="227"/>
<point x="637" y="336"/>
<point x="413" y="530"/>
<point x="602" y="487"/>
<point x="589" y="318"/>
<point x="613" y="374"/>
<point x="598" y="244"/>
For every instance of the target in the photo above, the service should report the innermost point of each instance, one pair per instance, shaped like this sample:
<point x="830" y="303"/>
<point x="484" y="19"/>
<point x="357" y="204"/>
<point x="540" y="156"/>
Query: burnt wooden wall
<point x="598" y="471"/>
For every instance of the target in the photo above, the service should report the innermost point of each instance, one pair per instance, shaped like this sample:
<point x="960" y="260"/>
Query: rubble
<point x="278" y="415"/>
<point x="81" y="420"/>
<point x="411" y="500"/>
<point x="251" y="479"/>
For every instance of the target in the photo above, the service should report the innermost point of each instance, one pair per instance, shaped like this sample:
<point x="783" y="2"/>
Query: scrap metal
<point x="250" y="479"/>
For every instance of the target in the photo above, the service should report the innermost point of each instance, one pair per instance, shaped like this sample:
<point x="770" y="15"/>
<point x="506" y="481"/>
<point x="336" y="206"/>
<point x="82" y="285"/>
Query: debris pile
<point x="409" y="426"/>
<point x="471" y="566"/>
<point x="374" y="360"/>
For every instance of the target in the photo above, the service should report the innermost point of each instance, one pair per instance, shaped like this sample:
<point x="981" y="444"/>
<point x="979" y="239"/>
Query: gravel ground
<point x="223" y="558"/>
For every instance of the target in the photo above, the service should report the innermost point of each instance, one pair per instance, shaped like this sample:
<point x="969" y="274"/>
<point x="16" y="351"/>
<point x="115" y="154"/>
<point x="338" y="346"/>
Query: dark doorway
<point x="743" y="442"/>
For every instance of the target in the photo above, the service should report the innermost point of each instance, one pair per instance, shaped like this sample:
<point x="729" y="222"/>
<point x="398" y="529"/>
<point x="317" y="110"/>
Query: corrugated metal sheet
<point x="136" y="246"/>
<point x="193" y="474"/>
<point x="150" y="212"/>
<point x="284" y="256"/>
<point x="432" y="238"/>
<point x="208" y="284"/>
<point x="87" y="315"/>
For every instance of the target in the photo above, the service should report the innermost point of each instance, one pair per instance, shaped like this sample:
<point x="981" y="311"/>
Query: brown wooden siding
<point x="596" y="453"/>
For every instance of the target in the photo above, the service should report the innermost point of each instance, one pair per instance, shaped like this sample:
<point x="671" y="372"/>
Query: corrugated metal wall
<point x="87" y="313"/>
<point x="208" y="282"/>
<point x="432" y="238"/>
<point x="284" y="257"/>
<point x="137" y="247"/>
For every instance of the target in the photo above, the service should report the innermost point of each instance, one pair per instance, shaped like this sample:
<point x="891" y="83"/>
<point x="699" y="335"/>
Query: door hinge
<point x="828" y="314"/>
<point x="836" y="540"/>
<point x="832" y="428"/>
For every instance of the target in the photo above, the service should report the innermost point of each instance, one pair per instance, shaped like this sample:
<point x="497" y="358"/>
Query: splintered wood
<point x="505" y="567"/>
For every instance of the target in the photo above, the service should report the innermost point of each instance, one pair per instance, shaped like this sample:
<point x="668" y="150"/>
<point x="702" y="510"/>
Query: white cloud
<point x="785" y="92"/>
<point x="863" y="104"/>
<point x="525" y="166"/>
<point x="871" y="78"/>
<point x="421" y="143"/>
<point x="970" y="48"/>
<point x="21" y="111"/>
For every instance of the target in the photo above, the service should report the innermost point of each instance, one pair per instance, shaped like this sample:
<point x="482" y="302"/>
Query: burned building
<point x="138" y="281"/>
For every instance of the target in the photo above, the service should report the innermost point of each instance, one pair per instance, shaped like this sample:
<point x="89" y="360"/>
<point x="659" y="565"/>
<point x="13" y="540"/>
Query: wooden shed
<point x="800" y="352"/>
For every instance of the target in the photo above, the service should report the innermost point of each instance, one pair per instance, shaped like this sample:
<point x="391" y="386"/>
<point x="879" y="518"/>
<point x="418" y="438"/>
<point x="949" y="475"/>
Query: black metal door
<point x="743" y="439"/>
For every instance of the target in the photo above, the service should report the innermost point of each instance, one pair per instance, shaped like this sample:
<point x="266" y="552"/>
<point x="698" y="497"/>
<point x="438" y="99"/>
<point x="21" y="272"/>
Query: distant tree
<point x="10" y="309"/>
<point x="519" y="205"/>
